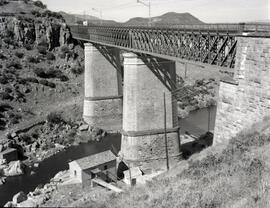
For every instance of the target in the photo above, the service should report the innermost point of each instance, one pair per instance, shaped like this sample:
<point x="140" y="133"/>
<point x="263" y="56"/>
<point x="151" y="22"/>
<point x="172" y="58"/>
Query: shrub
<point x="5" y="107"/>
<point x="63" y="78"/>
<point x="50" y="56"/>
<point x="44" y="82"/>
<point x="1" y="66"/>
<point x="9" y="41"/>
<point x="14" y="64"/>
<point x="2" y="56"/>
<point x="32" y="59"/>
<point x="31" y="79"/>
<point x="3" y="80"/>
<point x="19" y="54"/>
<point x="3" y="2"/>
<point x="40" y="72"/>
<point x="65" y="49"/>
<point x="5" y="96"/>
<point x="51" y="85"/>
<point x="36" y="13"/>
<point x="26" y="138"/>
<point x="28" y="46"/>
<point x="8" y="90"/>
<point x="40" y="4"/>
<point x="77" y="70"/>
<point x="55" y="118"/>
<point x="42" y="49"/>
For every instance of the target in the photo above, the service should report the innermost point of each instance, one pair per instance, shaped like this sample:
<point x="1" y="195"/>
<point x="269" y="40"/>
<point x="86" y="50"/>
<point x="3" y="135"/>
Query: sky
<point x="209" y="11"/>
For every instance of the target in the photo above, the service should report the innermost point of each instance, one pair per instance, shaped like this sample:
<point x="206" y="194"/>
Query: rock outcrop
<point x="52" y="33"/>
<point x="19" y="197"/>
<point x="14" y="168"/>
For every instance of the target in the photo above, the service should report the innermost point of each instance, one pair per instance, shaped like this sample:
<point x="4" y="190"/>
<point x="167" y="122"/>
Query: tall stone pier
<point x="103" y="88"/>
<point x="246" y="100"/>
<point x="143" y="141"/>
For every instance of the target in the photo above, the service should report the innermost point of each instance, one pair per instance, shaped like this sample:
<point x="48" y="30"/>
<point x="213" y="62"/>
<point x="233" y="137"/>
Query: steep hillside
<point x="235" y="175"/>
<point x="170" y="18"/>
<point x="41" y="81"/>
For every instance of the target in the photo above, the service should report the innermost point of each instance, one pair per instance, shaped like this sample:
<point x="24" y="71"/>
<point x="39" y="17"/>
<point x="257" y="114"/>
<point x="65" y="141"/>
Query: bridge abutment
<point x="246" y="100"/>
<point x="103" y="87"/>
<point x="143" y="140"/>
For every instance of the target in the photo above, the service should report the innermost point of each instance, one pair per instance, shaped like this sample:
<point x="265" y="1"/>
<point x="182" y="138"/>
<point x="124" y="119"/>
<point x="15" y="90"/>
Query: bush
<point x="31" y="79"/>
<point x="51" y="85"/>
<point x="40" y="72"/>
<point x="42" y="49"/>
<point x="5" y="107"/>
<point x="32" y="59"/>
<point x="14" y="64"/>
<point x="3" y="81"/>
<point x="5" y="96"/>
<point x="2" y="56"/>
<point x="77" y="70"/>
<point x="3" y="2"/>
<point x="19" y="54"/>
<point x="36" y="13"/>
<point x="63" y="78"/>
<point x="28" y="46"/>
<point x="65" y="49"/>
<point x="50" y="56"/>
<point x="55" y="118"/>
<point x="44" y="82"/>
<point x="40" y="4"/>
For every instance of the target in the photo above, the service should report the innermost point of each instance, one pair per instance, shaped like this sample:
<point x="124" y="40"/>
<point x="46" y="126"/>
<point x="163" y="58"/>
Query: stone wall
<point x="246" y="100"/>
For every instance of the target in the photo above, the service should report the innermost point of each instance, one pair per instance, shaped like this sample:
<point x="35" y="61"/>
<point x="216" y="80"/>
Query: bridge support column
<point x="103" y="88"/>
<point x="143" y="140"/>
<point x="246" y="100"/>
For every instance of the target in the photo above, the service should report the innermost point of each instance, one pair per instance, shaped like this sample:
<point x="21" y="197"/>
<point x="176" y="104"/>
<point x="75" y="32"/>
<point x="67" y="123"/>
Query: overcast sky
<point x="209" y="11"/>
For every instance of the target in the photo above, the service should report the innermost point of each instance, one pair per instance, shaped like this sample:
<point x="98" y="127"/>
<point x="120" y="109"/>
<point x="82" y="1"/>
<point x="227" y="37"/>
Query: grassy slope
<point x="233" y="175"/>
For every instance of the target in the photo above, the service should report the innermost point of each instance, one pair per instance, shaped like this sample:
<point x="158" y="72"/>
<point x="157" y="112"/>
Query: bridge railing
<point x="214" y="44"/>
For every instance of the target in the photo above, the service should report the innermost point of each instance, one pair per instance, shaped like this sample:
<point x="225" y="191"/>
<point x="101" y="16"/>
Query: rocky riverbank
<point x="48" y="140"/>
<point x="40" y="195"/>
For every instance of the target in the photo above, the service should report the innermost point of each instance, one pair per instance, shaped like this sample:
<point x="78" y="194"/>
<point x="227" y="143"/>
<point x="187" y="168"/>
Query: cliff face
<point x="30" y="31"/>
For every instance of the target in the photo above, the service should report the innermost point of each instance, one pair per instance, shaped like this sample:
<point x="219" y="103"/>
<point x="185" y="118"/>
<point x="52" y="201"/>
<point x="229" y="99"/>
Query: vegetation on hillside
<point x="236" y="175"/>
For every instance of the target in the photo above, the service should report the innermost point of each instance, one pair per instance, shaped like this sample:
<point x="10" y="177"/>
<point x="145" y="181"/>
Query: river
<point x="51" y="166"/>
<point x="197" y="121"/>
<point x="196" y="124"/>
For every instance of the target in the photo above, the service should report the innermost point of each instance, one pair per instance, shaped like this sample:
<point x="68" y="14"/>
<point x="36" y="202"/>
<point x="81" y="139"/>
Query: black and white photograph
<point x="135" y="103"/>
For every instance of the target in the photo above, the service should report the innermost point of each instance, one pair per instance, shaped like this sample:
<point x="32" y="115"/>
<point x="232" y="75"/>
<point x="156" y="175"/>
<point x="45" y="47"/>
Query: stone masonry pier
<point x="103" y="88"/>
<point x="143" y="141"/>
<point x="246" y="100"/>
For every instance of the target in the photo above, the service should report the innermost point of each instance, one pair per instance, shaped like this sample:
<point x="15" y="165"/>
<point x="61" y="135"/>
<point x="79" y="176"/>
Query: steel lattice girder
<point x="215" y="46"/>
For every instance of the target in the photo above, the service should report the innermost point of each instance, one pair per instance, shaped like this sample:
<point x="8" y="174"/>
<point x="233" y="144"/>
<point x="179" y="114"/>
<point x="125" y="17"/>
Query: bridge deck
<point x="213" y="44"/>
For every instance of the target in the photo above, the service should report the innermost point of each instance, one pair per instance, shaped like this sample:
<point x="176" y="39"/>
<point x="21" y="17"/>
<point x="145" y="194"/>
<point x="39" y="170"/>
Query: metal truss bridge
<point x="213" y="44"/>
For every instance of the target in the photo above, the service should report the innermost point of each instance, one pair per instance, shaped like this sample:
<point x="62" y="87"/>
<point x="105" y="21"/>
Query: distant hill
<point x="171" y="18"/>
<point x="74" y="18"/>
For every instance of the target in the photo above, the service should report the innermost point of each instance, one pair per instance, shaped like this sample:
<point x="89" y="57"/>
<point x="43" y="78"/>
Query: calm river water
<point x="196" y="124"/>
<point x="49" y="167"/>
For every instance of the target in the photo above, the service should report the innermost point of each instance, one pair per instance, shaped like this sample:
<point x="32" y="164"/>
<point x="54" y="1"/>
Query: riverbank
<point x="49" y="167"/>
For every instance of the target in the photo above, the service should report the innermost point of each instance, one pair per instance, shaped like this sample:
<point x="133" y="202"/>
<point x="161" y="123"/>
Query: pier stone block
<point x="103" y="87"/>
<point x="145" y="82"/>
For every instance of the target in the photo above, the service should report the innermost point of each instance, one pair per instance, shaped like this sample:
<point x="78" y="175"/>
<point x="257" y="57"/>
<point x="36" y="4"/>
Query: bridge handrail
<point x="229" y="27"/>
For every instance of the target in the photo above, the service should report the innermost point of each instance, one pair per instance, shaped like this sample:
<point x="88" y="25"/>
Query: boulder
<point x="84" y="127"/>
<point x="1" y="148"/>
<point x="28" y="203"/>
<point x="13" y="135"/>
<point x="14" y="168"/>
<point x="19" y="197"/>
<point x="3" y="162"/>
<point x="10" y="204"/>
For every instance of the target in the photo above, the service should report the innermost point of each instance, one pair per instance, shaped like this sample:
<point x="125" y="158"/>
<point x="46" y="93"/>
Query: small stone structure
<point x="245" y="100"/>
<point x="9" y="155"/>
<point x="131" y="175"/>
<point x="85" y="169"/>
